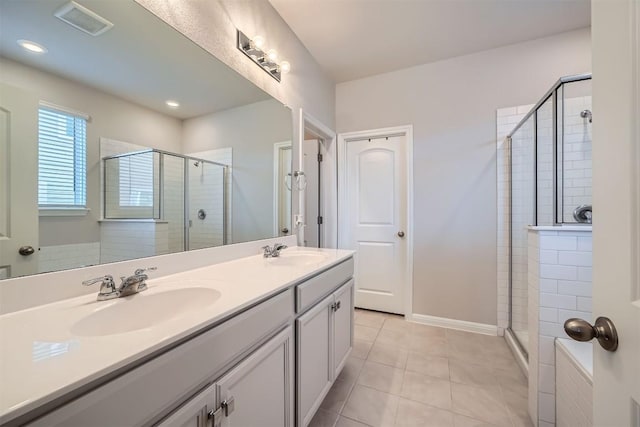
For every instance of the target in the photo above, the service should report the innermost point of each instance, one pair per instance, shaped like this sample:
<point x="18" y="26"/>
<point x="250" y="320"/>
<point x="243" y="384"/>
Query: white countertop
<point x="41" y="359"/>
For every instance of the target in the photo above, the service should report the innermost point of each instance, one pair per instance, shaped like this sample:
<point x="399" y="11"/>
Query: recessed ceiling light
<point x="32" y="46"/>
<point x="172" y="104"/>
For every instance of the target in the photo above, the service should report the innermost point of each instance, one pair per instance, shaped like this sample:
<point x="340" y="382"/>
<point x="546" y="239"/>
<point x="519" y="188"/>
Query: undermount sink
<point x="141" y="311"/>
<point x="298" y="258"/>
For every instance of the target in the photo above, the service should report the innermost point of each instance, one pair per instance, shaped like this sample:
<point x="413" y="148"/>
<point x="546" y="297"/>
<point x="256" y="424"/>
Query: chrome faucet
<point x="273" y="252"/>
<point x="129" y="286"/>
<point x="135" y="283"/>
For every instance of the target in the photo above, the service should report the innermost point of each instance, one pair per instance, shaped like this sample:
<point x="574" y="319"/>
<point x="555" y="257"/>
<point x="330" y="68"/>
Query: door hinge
<point x="320" y="157"/>
<point x="319" y="220"/>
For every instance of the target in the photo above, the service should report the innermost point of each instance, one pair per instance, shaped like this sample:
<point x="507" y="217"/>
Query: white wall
<point x="250" y="131"/>
<point x="452" y="106"/>
<point x="560" y="287"/>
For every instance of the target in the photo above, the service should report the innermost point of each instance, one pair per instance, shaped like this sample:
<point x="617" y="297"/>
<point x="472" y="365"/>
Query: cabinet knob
<point x="400" y="234"/>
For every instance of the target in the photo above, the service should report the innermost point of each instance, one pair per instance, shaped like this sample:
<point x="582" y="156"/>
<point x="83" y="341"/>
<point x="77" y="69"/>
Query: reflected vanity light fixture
<point x="266" y="59"/>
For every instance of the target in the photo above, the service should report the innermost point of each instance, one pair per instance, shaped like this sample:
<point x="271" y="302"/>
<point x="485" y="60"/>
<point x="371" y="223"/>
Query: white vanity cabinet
<point x="257" y="392"/>
<point x="324" y="338"/>
<point x="269" y="364"/>
<point x="144" y="395"/>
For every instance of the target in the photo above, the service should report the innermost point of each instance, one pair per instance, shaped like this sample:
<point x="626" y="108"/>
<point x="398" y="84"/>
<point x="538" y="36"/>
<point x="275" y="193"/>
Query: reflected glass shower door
<point x="523" y="187"/>
<point x="173" y="200"/>
<point x="205" y="205"/>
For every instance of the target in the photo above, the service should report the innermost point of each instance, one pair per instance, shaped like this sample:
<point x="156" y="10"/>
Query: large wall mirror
<point x="127" y="141"/>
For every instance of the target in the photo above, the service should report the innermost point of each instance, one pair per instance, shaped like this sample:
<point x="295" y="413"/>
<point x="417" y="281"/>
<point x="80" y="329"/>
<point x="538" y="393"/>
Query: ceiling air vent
<point x="83" y="19"/>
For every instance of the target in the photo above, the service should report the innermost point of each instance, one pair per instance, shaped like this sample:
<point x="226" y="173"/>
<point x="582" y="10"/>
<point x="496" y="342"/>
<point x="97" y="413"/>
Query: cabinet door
<point x="194" y="413"/>
<point x="259" y="391"/>
<point x="313" y="359"/>
<point x="342" y="326"/>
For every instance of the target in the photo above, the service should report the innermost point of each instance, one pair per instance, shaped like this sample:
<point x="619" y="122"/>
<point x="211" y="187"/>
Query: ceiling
<point x="141" y="59"/>
<point x="352" y="39"/>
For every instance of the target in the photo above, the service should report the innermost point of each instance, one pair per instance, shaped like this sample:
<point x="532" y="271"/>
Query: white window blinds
<point x="62" y="159"/>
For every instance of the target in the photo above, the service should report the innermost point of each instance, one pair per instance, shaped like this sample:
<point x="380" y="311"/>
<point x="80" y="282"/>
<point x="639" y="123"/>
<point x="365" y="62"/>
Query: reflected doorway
<point x="313" y="219"/>
<point x="282" y="157"/>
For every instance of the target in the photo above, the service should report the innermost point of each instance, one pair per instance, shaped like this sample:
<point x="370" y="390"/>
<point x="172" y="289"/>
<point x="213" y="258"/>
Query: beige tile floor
<point x="405" y="374"/>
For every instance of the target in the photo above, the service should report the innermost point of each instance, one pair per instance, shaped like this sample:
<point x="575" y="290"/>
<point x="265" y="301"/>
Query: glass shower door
<point x="523" y="187"/>
<point x="206" y="204"/>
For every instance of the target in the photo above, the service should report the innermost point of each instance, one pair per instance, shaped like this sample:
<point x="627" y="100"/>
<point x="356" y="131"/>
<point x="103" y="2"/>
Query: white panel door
<point x="311" y="198"/>
<point x="616" y="198"/>
<point x="18" y="181"/>
<point x="376" y="212"/>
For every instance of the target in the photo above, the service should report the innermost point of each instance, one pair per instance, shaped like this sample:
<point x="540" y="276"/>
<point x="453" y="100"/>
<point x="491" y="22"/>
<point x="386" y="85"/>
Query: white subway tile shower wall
<point x="122" y="240"/>
<point x="223" y="156"/>
<point x="574" y="399"/>
<point x="206" y="193"/>
<point x="561" y="267"/>
<point x="62" y="257"/>
<point x="576" y="156"/>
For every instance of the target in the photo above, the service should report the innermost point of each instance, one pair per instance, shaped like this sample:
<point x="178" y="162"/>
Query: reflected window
<point x="62" y="159"/>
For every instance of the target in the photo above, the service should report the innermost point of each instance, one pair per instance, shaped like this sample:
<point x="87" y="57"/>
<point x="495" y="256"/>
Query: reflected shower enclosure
<point x="550" y="168"/>
<point x="184" y="198"/>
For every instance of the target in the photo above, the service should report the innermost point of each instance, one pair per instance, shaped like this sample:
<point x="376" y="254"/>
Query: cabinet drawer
<point x="312" y="290"/>
<point x="142" y="395"/>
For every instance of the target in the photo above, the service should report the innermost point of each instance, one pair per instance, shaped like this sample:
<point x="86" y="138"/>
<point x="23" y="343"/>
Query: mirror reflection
<point x="120" y="139"/>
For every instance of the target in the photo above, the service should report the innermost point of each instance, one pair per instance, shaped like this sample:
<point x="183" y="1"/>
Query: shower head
<point x="586" y="114"/>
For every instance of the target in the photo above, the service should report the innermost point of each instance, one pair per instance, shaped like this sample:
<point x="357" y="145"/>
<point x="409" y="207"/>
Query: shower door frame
<point x="553" y="94"/>
<point x="185" y="177"/>
<point x="225" y="177"/>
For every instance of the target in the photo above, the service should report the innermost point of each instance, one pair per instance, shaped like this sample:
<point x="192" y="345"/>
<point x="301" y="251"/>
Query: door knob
<point x="400" y="233"/>
<point x="26" y="250"/>
<point x="603" y="330"/>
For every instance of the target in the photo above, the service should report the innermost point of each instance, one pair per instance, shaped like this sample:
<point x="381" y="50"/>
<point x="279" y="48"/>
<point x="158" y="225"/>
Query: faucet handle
<point x="139" y="271"/>
<point x="102" y="279"/>
<point x="107" y="287"/>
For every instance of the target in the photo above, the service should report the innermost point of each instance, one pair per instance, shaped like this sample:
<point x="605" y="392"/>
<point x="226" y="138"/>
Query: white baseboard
<point x="460" y="325"/>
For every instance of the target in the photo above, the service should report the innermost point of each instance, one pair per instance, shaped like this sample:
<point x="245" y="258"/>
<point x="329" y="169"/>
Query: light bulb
<point x="32" y="46"/>
<point x="285" y="67"/>
<point x="258" y="42"/>
<point x="272" y="54"/>
<point x="172" y="104"/>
